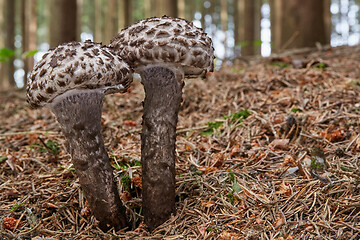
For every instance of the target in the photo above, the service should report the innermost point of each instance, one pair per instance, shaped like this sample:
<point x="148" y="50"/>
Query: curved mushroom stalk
<point x="163" y="90"/>
<point x="79" y="114"/>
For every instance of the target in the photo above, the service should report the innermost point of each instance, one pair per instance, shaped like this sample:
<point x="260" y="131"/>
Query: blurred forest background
<point x="28" y="28"/>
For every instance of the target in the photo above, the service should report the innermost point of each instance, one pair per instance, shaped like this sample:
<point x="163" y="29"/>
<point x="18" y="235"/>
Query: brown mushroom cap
<point x="166" y="40"/>
<point x="76" y="65"/>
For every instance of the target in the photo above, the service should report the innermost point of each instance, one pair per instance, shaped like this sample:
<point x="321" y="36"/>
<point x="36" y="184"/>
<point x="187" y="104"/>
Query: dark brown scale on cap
<point x="151" y="32"/>
<point x="137" y="29"/>
<point x="133" y="43"/>
<point x="60" y="83"/>
<point x="107" y="54"/>
<point x="45" y="55"/>
<point x="148" y="44"/>
<point x="88" y="54"/>
<point x="162" y="34"/>
<point x="95" y="51"/>
<point x="50" y="90"/>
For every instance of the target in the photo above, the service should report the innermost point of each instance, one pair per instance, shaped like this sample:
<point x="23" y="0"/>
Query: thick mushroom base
<point x="79" y="115"/>
<point x="161" y="106"/>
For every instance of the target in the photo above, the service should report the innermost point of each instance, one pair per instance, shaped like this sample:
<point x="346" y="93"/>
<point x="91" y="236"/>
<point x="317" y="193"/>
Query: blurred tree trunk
<point x="147" y="8"/>
<point x="181" y="8"/>
<point x="190" y="10"/>
<point x="224" y="22"/>
<point x="110" y="20"/>
<point x="203" y="13"/>
<point x="7" y="81"/>
<point x="29" y="27"/>
<point x="2" y="25"/>
<point x="2" y="39"/>
<point x="236" y="28"/>
<point x="125" y="13"/>
<point x="98" y="21"/>
<point x="166" y="7"/>
<point x="248" y="26"/>
<point x="327" y="20"/>
<point x="80" y="10"/>
<point x="62" y="21"/>
<point x="297" y="24"/>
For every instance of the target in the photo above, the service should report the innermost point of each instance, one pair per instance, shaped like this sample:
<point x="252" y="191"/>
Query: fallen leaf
<point x="229" y="236"/>
<point x="334" y="135"/>
<point x="281" y="144"/>
<point x="279" y="222"/>
<point x="201" y="229"/>
<point x="217" y="160"/>
<point x="137" y="181"/>
<point x="85" y="212"/>
<point x="9" y="223"/>
<point x="207" y="204"/>
<point x="289" y="160"/>
<point x="284" y="189"/>
<point x="309" y="228"/>
<point x="49" y="205"/>
<point x="206" y="170"/>
<point x="235" y="151"/>
<point x="126" y="196"/>
<point x="129" y="123"/>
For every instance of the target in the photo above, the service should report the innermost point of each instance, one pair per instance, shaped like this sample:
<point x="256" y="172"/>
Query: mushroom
<point x="72" y="80"/>
<point x="164" y="51"/>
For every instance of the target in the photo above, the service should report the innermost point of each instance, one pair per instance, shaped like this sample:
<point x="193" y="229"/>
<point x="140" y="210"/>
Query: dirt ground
<point x="267" y="148"/>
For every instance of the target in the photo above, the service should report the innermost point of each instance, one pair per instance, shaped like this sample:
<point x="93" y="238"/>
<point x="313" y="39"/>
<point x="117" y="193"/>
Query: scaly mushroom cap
<point x="76" y="65"/>
<point x="166" y="40"/>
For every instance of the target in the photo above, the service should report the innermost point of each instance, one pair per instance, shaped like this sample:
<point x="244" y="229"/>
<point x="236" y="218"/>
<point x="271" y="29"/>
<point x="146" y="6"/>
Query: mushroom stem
<point x="79" y="114"/>
<point x="163" y="90"/>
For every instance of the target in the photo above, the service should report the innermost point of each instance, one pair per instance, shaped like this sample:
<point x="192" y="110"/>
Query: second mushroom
<point x="164" y="51"/>
<point x="72" y="80"/>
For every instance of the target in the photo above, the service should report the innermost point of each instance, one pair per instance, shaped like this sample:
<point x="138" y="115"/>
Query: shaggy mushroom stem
<point x="163" y="90"/>
<point x="79" y="114"/>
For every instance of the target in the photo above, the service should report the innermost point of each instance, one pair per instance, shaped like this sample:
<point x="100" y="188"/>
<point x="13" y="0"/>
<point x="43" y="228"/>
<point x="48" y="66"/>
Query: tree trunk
<point x="297" y="24"/>
<point x="62" y="21"/>
<point x="8" y="82"/>
<point x="327" y="20"/>
<point x="224" y="22"/>
<point x="98" y="21"/>
<point x="166" y="7"/>
<point x="147" y="8"/>
<point x="181" y="8"/>
<point x="2" y="39"/>
<point x="111" y="20"/>
<point x="80" y="10"/>
<point x="249" y="26"/>
<point x="237" y="48"/>
<point x="203" y="13"/>
<point x="29" y="27"/>
<point x="125" y="13"/>
<point x="190" y="10"/>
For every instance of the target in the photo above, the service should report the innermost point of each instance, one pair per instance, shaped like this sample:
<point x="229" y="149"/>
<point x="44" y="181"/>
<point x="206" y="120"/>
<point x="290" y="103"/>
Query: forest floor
<point x="267" y="148"/>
